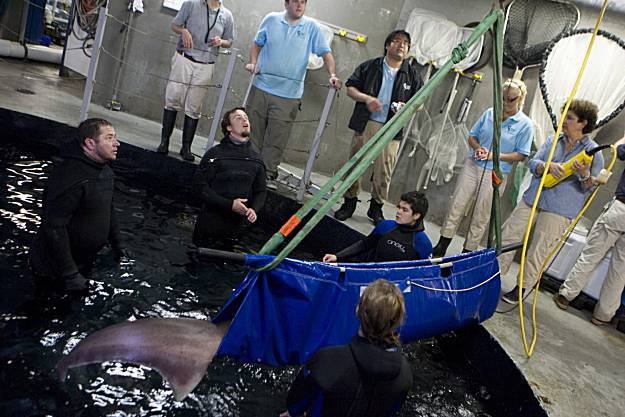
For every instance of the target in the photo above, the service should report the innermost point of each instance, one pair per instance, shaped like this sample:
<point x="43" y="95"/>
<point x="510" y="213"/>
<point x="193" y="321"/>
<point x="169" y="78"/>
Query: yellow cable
<point x="565" y="236"/>
<point x="530" y="350"/>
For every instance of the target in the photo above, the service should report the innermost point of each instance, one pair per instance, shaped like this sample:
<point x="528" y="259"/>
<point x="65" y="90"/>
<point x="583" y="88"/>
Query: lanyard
<point x="208" y="22"/>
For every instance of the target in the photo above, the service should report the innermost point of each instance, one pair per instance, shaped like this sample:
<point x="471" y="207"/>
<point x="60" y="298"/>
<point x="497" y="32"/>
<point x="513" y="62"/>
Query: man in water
<point x="401" y="239"/>
<point x="230" y="181"/>
<point x="78" y="217"/>
<point x="369" y="376"/>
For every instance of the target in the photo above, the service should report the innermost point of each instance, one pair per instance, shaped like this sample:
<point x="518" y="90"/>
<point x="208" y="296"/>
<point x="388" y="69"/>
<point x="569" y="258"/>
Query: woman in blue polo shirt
<point x="474" y="182"/>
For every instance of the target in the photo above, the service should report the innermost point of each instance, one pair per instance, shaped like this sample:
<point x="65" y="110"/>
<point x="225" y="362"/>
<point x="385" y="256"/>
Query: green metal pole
<point x="494" y="231"/>
<point x="356" y="166"/>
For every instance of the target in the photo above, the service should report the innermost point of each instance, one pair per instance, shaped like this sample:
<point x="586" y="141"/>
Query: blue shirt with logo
<point x="284" y="53"/>
<point x="517" y="133"/>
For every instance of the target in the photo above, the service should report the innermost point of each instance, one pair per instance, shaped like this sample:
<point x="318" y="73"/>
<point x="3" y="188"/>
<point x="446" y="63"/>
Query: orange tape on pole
<point x="290" y="225"/>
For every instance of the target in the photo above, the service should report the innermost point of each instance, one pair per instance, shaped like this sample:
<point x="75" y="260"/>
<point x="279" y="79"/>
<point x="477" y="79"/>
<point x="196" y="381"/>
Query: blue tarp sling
<point x="282" y="316"/>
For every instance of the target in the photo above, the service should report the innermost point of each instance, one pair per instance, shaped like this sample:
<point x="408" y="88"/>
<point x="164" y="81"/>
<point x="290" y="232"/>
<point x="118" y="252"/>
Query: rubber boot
<point x="441" y="247"/>
<point x="347" y="209"/>
<point x="188" y="133"/>
<point x="375" y="212"/>
<point x="169" y="120"/>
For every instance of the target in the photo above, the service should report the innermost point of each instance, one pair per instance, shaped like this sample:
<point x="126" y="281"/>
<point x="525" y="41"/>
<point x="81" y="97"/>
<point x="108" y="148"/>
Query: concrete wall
<point x="151" y="54"/>
<point x="11" y="20"/>
<point x="148" y="54"/>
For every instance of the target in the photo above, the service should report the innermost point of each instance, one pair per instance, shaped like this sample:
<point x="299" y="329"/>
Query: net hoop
<point x="543" y="69"/>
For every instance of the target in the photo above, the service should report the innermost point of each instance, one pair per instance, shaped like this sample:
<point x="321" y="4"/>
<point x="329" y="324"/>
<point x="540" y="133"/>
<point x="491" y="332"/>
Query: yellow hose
<point x="530" y="350"/>
<point x="559" y="245"/>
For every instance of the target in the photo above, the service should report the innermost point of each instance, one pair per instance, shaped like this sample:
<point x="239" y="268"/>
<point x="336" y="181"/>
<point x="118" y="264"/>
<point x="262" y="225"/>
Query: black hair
<point x="394" y="34"/>
<point x="418" y="202"/>
<point x="225" y="122"/>
<point x="90" y="128"/>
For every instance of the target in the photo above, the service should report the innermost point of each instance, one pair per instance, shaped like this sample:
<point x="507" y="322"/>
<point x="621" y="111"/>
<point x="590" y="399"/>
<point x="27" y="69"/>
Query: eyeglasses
<point x="401" y="42"/>
<point x="510" y="99"/>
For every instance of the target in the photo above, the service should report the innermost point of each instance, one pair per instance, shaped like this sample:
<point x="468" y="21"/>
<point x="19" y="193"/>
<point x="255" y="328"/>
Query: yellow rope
<point x="530" y="350"/>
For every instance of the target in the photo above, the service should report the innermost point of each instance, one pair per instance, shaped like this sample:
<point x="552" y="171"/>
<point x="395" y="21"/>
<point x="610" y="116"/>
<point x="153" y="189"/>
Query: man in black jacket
<point x="380" y="87"/>
<point x="230" y="181"/>
<point x="369" y="377"/>
<point x="78" y="217"/>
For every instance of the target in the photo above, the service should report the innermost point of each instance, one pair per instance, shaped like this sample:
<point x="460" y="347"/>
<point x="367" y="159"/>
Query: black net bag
<point x="531" y="25"/>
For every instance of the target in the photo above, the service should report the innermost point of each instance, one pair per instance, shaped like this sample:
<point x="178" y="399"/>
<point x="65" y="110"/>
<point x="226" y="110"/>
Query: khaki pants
<point x="271" y="121"/>
<point x="465" y="194"/>
<point x="382" y="165"/>
<point x="187" y="86"/>
<point x="608" y="232"/>
<point x="548" y="228"/>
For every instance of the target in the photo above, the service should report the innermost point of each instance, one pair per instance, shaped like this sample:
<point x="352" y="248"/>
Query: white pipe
<point x="35" y="52"/>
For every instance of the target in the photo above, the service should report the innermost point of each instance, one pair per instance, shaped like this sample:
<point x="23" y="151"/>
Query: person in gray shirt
<point x="204" y="26"/>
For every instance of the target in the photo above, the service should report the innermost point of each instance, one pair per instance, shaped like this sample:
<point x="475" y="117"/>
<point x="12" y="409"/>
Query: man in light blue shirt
<point x="279" y="57"/>
<point x="558" y="205"/>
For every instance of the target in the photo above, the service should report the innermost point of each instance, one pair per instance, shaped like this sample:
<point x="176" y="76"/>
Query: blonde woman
<point x="474" y="183"/>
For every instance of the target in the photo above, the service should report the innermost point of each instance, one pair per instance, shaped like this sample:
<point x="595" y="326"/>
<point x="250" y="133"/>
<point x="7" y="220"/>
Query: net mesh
<point x="531" y="26"/>
<point x="605" y="88"/>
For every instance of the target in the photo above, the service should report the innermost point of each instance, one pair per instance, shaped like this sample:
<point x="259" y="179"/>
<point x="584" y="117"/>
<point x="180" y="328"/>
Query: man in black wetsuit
<point x="230" y="181"/>
<point x="78" y="217"/>
<point x="401" y="239"/>
<point x="369" y="377"/>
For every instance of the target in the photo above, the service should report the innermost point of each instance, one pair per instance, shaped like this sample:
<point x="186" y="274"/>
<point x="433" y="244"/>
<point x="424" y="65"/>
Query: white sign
<point x="76" y="58"/>
<point x="173" y="4"/>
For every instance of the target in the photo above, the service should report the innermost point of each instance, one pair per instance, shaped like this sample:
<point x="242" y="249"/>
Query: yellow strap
<point x="530" y="350"/>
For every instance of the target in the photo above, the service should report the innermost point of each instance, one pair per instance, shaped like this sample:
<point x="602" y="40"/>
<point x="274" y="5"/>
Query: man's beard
<point x="245" y="134"/>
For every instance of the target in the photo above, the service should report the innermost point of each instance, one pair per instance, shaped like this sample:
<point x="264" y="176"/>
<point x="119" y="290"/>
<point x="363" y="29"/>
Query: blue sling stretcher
<point x="282" y="316"/>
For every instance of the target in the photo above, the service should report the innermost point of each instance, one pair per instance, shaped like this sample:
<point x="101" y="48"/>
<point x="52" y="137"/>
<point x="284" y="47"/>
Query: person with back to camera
<point x="369" y="377"/>
<point x="78" y="217"/>
<point x="230" y="181"/>
<point x="394" y="240"/>
<point x="558" y="205"/>
<point x="474" y="183"/>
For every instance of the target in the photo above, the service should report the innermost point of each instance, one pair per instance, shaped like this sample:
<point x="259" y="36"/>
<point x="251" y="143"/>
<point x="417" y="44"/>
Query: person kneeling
<point x="230" y="181"/>
<point x="369" y="376"/>
<point x="394" y="240"/>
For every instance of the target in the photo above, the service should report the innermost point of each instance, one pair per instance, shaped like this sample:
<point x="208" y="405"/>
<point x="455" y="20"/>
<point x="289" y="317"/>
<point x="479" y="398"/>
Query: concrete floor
<point x="577" y="368"/>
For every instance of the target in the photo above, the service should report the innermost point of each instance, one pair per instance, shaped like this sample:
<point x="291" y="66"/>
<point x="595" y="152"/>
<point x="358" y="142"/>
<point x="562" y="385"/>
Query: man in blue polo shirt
<point x="279" y="56"/>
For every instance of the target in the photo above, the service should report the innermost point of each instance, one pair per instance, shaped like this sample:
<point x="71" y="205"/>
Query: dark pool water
<point x="162" y="280"/>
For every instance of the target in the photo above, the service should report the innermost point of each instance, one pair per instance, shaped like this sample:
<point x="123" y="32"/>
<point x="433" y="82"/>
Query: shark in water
<point x="179" y="349"/>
